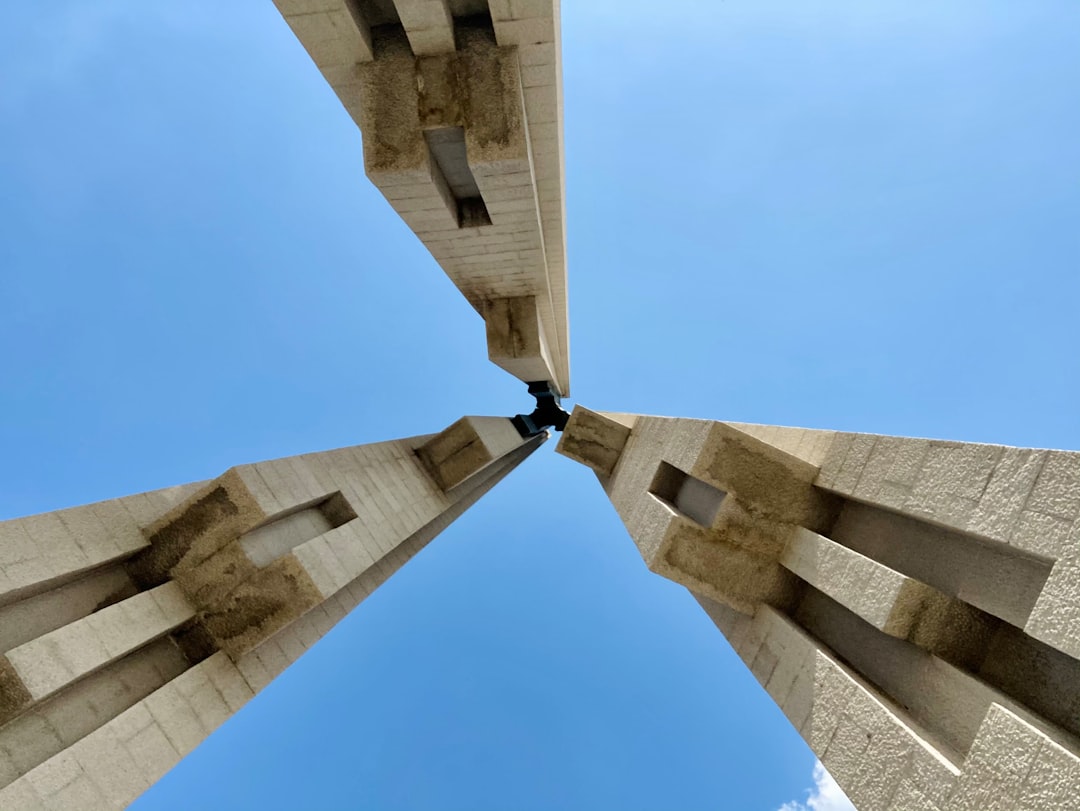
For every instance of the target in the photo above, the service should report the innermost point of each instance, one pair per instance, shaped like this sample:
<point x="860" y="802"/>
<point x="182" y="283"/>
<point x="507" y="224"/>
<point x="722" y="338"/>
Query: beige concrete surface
<point x="135" y="627"/>
<point x="912" y="605"/>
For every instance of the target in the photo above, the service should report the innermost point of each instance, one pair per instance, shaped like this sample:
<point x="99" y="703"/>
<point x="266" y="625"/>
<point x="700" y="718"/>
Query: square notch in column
<point x="447" y="148"/>
<point x="682" y="493"/>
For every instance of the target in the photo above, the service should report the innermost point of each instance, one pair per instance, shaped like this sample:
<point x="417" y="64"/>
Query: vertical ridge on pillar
<point x="132" y="628"/>
<point x="913" y="606"/>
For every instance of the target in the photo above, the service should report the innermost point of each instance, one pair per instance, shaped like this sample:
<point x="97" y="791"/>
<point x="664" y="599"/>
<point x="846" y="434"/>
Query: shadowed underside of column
<point x="131" y="629"/>
<point x="912" y="605"/>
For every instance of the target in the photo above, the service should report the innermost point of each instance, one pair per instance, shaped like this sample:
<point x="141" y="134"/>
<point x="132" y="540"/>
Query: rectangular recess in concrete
<point x="265" y="544"/>
<point x="447" y="148"/>
<point x="697" y="500"/>
<point x="948" y="702"/>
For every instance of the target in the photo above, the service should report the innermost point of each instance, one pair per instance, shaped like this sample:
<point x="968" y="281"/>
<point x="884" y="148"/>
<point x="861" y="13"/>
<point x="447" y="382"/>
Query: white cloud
<point x="824" y="796"/>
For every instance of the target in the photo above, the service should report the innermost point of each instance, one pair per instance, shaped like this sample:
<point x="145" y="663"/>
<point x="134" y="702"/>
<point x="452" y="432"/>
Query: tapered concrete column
<point x="133" y="628"/>
<point x="912" y="605"/>
<point x="462" y="128"/>
<point x="429" y="25"/>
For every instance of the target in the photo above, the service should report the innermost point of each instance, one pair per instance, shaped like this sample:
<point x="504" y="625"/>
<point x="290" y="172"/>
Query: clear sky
<point x="859" y="216"/>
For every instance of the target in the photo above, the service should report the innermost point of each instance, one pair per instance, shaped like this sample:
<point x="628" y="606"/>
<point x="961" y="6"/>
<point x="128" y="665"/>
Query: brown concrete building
<point x="912" y="605"/>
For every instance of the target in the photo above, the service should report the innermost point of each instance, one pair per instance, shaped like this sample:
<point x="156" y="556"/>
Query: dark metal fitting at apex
<point x="548" y="414"/>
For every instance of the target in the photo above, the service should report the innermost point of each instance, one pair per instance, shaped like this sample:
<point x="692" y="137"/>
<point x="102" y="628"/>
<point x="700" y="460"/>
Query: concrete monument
<point x="912" y="605"/>
<point x="131" y="629"/>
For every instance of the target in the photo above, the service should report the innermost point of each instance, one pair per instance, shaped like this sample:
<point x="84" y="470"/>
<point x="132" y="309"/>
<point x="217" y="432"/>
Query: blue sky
<point x="854" y="216"/>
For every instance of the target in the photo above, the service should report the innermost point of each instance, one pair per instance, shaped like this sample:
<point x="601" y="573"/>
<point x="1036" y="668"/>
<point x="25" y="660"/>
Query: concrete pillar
<point x="132" y="628"/>
<point x="913" y="606"/>
<point x="462" y="128"/>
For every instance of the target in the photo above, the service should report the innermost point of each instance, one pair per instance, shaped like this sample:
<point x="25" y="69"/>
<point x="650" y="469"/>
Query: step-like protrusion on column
<point x="466" y="448"/>
<point x="118" y="659"/>
<point x="898" y="605"/>
<point x="710" y="506"/>
<point x="45" y="552"/>
<point x="462" y="128"/>
<point x="1026" y="502"/>
<point x="922" y="631"/>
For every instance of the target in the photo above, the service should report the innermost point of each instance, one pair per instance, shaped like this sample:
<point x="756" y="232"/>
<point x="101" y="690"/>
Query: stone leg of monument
<point x="130" y="629"/>
<point x="460" y="107"/>
<point x="912" y="605"/>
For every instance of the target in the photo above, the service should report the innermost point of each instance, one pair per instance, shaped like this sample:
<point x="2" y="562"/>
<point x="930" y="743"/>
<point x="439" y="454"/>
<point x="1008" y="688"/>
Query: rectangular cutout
<point x="271" y="541"/>
<point x="447" y="148"/>
<point x="697" y="500"/>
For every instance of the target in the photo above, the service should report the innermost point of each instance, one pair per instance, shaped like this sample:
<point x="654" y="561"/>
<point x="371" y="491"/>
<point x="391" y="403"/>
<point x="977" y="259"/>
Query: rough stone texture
<point x="1025" y="501"/>
<point x="594" y="440"/>
<point x="223" y="584"/>
<point x="68" y="544"/>
<point x="912" y="605"/>
<point x="466" y="448"/>
<point x="14" y="694"/>
<point x="500" y="82"/>
<point x="52" y="661"/>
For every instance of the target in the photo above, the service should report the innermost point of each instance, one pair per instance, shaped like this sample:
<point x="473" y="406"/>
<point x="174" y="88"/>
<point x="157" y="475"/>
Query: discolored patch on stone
<point x="957" y="632"/>
<point x="14" y="697"/>
<point x="515" y="337"/>
<point x="466" y="448"/>
<point x="734" y="574"/>
<point x="211" y="580"/>
<point x="593" y="440"/>
<point x="195" y="642"/>
<point x="196" y="529"/>
<point x="261" y="605"/>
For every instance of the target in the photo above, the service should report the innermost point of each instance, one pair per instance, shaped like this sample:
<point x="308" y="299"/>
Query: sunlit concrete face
<point x="131" y="629"/>
<point x="912" y="605"/>
<point x="460" y="107"/>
